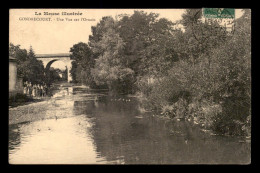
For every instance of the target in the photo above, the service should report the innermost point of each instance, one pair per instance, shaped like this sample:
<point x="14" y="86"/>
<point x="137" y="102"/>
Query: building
<point x="15" y="83"/>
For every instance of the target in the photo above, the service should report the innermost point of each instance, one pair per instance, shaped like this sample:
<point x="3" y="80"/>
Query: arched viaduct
<point x="48" y="59"/>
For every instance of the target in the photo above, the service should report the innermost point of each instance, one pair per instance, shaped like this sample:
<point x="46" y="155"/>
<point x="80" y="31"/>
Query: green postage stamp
<point x="219" y="13"/>
<point x="224" y="16"/>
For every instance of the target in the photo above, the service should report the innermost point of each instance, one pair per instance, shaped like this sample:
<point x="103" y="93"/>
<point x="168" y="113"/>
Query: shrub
<point x="19" y="99"/>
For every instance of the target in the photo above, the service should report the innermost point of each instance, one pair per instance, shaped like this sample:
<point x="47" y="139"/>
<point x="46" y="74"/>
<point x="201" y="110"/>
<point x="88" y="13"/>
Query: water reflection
<point x="14" y="137"/>
<point x="97" y="128"/>
<point x="59" y="142"/>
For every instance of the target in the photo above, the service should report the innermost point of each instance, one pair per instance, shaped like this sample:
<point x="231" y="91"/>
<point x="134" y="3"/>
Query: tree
<point x="54" y="75"/>
<point x="20" y="55"/>
<point x="33" y="68"/>
<point x="135" y="46"/>
<point x="28" y="67"/>
<point x="110" y="68"/>
<point x="149" y="48"/>
<point x="201" y="36"/>
<point x="97" y="34"/>
<point x="82" y="63"/>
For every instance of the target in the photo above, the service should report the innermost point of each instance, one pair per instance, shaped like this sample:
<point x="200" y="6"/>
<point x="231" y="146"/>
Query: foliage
<point x="20" y="55"/>
<point x="53" y="75"/>
<point x="217" y="78"/>
<point x="28" y="67"/>
<point x="201" y="71"/>
<point x="148" y="43"/>
<point x="19" y="99"/>
<point x="110" y="68"/>
<point x="124" y="55"/>
<point x="82" y="64"/>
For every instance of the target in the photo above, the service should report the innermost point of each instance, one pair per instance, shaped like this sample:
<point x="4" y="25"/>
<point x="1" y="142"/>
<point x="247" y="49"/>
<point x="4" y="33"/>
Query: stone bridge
<point x="48" y="59"/>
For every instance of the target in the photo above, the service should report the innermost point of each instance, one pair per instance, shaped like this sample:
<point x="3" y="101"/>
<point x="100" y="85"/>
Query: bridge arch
<point x="49" y="59"/>
<point x="50" y="63"/>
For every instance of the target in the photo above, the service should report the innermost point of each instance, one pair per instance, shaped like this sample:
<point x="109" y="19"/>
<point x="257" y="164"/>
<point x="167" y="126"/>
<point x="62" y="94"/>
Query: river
<point x="95" y="128"/>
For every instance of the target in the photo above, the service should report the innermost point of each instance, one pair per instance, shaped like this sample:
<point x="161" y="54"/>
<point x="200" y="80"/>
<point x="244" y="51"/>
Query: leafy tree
<point x="82" y="64"/>
<point x="33" y="68"/>
<point x="144" y="49"/>
<point x="21" y="57"/>
<point x="148" y="41"/>
<point x="28" y="67"/>
<point x="54" y="74"/>
<point x="110" y="68"/>
<point x="73" y="71"/>
<point x="201" y="36"/>
<point x="97" y="34"/>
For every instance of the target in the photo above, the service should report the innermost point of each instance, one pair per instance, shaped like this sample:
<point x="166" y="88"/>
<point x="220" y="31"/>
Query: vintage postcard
<point x="130" y="86"/>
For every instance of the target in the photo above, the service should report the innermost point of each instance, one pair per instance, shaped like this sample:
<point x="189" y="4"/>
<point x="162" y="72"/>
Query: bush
<point x="225" y="118"/>
<point x="165" y="96"/>
<point x="207" y="112"/>
<point x="143" y="85"/>
<point x="218" y="87"/>
<point x="235" y="119"/>
<point x="19" y="99"/>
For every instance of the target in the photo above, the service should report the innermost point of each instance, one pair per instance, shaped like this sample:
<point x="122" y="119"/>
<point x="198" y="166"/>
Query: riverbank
<point x="211" y="118"/>
<point x="53" y="108"/>
<point x="22" y="99"/>
<point x="29" y="112"/>
<point x="74" y="122"/>
<point x="34" y="109"/>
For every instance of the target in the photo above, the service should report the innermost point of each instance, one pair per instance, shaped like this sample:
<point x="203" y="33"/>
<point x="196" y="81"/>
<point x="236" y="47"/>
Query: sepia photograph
<point x="129" y="86"/>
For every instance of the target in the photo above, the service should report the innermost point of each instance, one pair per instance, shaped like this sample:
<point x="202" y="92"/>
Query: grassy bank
<point x="227" y="117"/>
<point x="21" y="99"/>
<point x="225" y="110"/>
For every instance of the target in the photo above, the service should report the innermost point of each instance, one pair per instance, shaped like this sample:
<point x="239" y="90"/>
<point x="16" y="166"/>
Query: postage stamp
<point x="225" y="17"/>
<point x="219" y="12"/>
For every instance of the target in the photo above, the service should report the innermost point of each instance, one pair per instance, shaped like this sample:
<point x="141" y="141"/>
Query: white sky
<point x="54" y="36"/>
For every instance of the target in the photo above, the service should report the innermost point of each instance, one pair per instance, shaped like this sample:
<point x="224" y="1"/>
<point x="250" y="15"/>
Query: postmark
<point x="215" y="20"/>
<point x="225" y="17"/>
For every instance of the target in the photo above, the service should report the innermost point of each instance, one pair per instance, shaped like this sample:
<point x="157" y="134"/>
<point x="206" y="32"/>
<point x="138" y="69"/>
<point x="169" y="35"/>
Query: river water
<point x="95" y="128"/>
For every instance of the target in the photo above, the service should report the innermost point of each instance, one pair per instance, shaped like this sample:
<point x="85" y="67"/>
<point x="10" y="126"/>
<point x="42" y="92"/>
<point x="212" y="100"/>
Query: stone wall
<point x="15" y="83"/>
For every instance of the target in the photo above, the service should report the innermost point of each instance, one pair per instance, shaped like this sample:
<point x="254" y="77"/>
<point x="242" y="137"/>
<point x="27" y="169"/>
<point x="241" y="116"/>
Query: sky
<point x="56" y="36"/>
